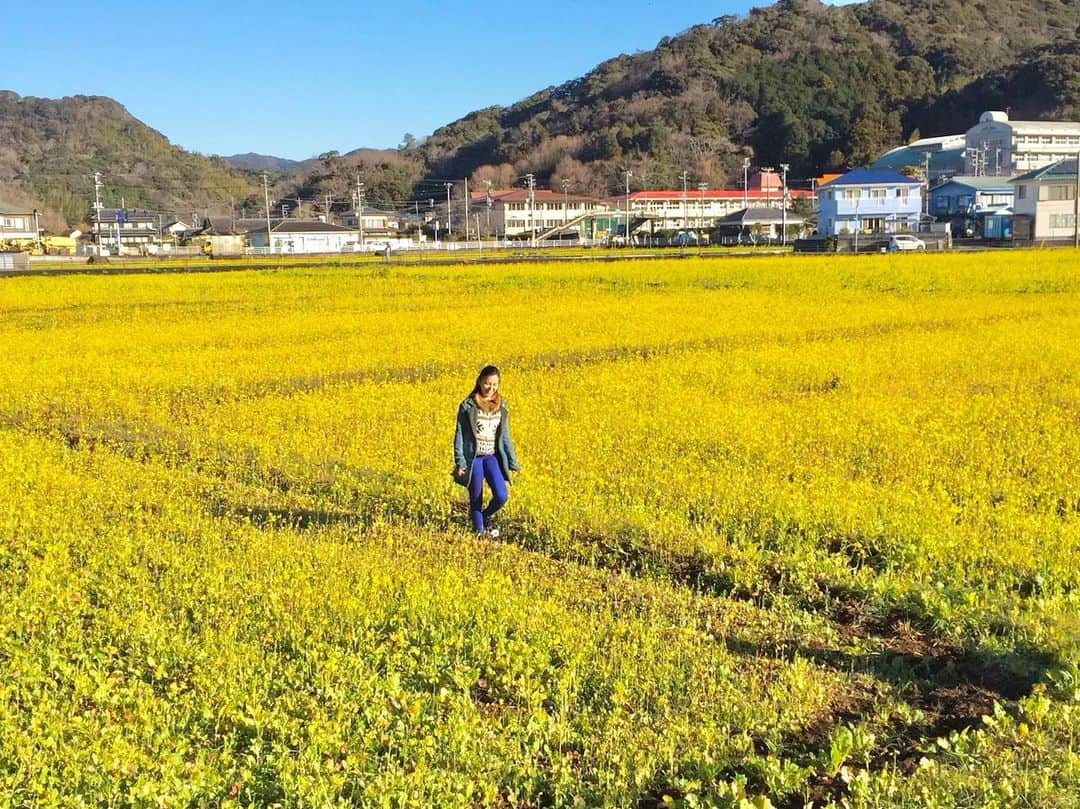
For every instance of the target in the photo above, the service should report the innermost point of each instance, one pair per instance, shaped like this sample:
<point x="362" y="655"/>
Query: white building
<point x="1044" y="205"/>
<point x="378" y="226"/>
<point x="304" y="236"/>
<point x="175" y="229"/>
<point x="997" y="145"/>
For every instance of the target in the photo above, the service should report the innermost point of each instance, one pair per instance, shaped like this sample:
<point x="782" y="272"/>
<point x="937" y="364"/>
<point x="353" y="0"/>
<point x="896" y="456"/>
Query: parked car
<point x="905" y="241"/>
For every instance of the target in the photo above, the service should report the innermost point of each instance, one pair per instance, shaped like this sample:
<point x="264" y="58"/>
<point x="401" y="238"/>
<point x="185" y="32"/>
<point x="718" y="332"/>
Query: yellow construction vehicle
<point x="57" y="246"/>
<point x="45" y="245"/>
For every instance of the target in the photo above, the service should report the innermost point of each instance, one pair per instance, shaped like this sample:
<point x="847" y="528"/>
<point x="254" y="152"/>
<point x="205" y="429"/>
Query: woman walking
<point x="483" y="449"/>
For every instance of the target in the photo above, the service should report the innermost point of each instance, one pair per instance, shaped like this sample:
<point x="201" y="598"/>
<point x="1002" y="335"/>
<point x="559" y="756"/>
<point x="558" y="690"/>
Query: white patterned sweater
<point x="485" y="426"/>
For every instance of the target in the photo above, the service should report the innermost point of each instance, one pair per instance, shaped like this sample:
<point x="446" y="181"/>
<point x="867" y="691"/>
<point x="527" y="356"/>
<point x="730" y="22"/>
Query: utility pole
<point x="745" y="180"/>
<point x="565" y="204"/>
<point x="783" y="204"/>
<point x="1076" y="205"/>
<point x="360" y="209"/>
<point x="489" y="203"/>
<point x="449" y="216"/>
<point x="685" y="216"/>
<point x="926" y="175"/>
<point x="629" y="174"/>
<point x="467" y="210"/>
<point x="858" y="224"/>
<point x="97" y="209"/>
<point x="266" y="197"/>
<point x="329" y="201"/>
<point x="530" y="182"/>
<point x="701" y="205"/>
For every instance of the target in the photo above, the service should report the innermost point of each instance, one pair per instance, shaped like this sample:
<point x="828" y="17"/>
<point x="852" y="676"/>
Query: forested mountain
<point x="50" y="149"/>
<point x="818" y="86"/>
<point x="388" y="177"/>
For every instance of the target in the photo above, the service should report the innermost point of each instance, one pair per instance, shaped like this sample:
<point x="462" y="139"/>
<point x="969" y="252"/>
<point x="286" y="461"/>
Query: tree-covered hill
<point x="814" y="85"/>
<point x="50" y="149"/>
<point x="388" y="177"/>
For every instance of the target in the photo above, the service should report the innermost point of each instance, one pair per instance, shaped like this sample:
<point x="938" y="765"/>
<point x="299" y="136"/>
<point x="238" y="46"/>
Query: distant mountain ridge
<point x="261" y="162"/>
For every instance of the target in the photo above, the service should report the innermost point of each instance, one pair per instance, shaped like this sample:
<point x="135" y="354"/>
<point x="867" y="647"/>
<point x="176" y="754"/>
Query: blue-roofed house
<point x="870" y="201"/>
<point x="966" y="202"/>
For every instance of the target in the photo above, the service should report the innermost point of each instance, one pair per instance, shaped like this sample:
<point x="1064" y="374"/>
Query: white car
<point x="905" y="241"/>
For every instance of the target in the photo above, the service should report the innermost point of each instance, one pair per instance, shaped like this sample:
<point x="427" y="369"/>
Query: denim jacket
<point x="465" y="442"/>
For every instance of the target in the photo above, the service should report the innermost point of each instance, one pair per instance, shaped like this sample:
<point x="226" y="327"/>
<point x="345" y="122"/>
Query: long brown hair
<point x="475" y="395"/>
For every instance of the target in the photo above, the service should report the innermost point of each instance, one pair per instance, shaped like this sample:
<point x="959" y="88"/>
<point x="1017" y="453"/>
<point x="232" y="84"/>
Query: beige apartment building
<point x="517" y="211"/>
<point x="702" y="210"/>
<point x="1044" y="203"/>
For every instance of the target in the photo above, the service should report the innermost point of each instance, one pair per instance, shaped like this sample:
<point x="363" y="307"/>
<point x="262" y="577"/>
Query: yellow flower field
<point x="788" y="530"/>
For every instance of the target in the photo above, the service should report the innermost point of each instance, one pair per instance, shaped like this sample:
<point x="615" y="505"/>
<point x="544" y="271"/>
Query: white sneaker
<point x="493" y="532"/>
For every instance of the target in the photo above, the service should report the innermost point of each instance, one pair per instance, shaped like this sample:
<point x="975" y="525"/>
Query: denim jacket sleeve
<point x="508" y="442"/>
<point x="459" y="437"/>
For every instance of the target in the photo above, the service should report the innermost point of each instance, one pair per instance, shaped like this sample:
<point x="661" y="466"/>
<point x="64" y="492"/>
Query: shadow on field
<point x="944" y="687"/>
<point x="299" y="519"/>
<point x="942" y="684"/>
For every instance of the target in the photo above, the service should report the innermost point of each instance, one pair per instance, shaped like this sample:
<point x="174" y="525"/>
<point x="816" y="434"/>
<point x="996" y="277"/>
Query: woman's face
<point x="489" y="385"/>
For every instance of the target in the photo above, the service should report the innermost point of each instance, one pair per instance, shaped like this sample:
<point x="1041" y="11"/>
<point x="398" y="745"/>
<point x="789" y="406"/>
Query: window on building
<point x="1021" y="192"/>
<point x="1059" y="192"/>
<point x="852" y="193"/>
<point x="1062" y="220"/>
<point x="878" y="193"/>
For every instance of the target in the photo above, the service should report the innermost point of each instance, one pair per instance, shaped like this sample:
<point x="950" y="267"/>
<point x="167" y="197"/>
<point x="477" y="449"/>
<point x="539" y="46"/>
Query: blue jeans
<point x="485" y="467"/>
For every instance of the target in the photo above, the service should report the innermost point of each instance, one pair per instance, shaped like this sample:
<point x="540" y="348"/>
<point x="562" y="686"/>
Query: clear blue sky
<point x="299" y="78"/>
